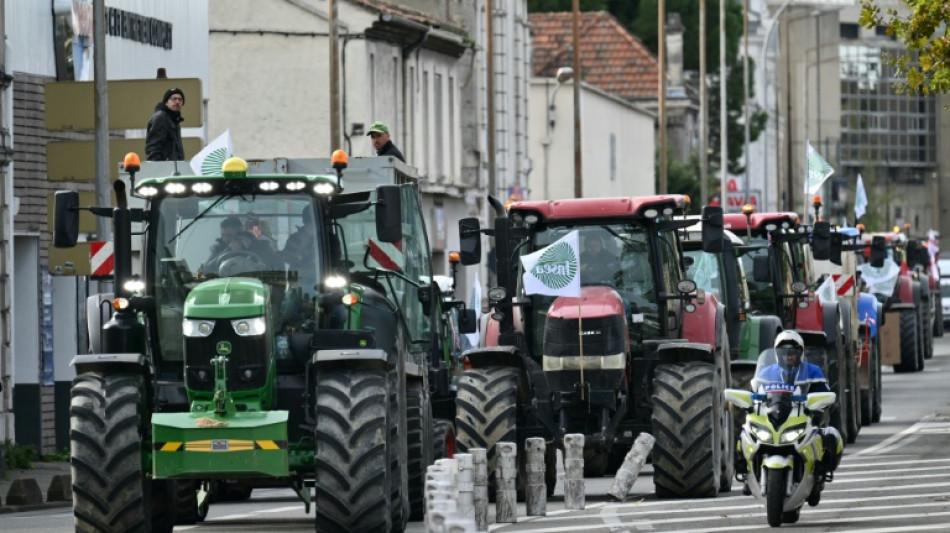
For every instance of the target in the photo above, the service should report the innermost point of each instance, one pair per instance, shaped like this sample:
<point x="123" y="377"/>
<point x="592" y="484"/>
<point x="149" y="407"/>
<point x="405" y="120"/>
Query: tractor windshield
<point x="273" y="238"/>
<point x="614" y="255"/>
<point x="704" y="270"/>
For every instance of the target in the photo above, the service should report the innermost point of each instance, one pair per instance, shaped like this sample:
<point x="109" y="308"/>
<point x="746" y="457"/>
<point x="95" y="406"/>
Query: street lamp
<point x="564" y="74"/>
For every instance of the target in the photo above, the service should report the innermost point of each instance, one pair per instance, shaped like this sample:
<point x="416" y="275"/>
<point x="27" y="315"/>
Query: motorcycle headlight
<point x="246" y="327"/>
<point x="762" y="433"/>
<point x="792" y="434"/>
<point x="197" y="328"/>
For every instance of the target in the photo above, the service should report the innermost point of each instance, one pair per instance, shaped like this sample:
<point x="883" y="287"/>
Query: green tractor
<point x="307" y="355"/>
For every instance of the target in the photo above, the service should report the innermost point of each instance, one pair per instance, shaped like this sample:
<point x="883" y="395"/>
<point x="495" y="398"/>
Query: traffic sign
<point x="76" y="160"/>
<point x="101" y="258"/>
<point x="70" y="105"/>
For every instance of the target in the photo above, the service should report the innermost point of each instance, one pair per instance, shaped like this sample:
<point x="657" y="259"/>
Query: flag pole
<point x="805" y="192"/>
<point x="580" y="341"/>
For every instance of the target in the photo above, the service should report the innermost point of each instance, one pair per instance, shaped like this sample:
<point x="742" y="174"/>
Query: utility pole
<point x="661" y="88"/>
<point x="490" y="89"/>
<point x="334" y="78"/>
<point x="703" y="111"/>
<point x="745" y="94"/>
<point x="578" y="178"/>
<point x="103" y="227"/>
<point x="723" y="125"/>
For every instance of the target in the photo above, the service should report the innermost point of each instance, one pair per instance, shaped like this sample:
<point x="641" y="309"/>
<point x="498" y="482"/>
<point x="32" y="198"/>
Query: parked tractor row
<point x="323" y="353"/>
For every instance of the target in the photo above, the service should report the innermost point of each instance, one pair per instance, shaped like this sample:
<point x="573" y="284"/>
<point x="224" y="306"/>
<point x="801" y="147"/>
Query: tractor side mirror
<point x="821" y="241"/>
<point x="467" y="321"/>
<point x="470" y="241"/>
<point x="66" y="219"/>
<point x="713" y="232"/>
<point x="761" y="272"/>
<point x="836" y="247"/>
<point x="388" y="213"/>
<point x="878" y="252"/>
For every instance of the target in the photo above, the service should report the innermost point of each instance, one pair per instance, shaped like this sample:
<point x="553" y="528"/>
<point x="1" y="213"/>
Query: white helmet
<point x="789" y="338"/>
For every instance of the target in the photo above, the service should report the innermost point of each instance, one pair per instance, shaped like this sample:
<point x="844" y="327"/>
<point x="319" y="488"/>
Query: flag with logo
<point x="880" y="280"/>
<point x="555" y="269"/>
<point x="475" y="302"/>
<point x="208" y="161"/>
<point x="860" y="199"/>
<point x="818" y="171"/>
<point x="827" y="294"/>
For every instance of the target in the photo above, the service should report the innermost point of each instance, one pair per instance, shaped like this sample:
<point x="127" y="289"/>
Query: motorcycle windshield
<point x="780" y="370"/>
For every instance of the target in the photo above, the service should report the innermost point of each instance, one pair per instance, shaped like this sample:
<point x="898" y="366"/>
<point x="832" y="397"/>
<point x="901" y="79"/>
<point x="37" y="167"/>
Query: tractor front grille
<point x="247" y="360"/>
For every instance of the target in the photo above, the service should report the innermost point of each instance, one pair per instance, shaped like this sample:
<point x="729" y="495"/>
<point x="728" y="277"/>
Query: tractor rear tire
<point x="399" y="457"/>
<point x="878" y="404"/>
<point x="927" y="330"/>
<point x="909" y="343"/>
<point x="111" y="491"/>
<point x="419" y="444"/>
<point x="487" y="412"/>
<point x="352" y="486"/>
<point x="443" y="439"/>
<point x="687" y="426"/>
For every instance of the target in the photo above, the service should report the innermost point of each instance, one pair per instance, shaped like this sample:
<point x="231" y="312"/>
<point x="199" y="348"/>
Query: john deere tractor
<point x="304" y="356"/>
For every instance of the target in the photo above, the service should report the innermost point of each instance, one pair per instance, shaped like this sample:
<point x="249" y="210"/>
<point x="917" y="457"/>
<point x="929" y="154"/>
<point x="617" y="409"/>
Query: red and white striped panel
<point x="101" y="258"/>
<point x="386" y="255"/>
<point x="844" y="284"/>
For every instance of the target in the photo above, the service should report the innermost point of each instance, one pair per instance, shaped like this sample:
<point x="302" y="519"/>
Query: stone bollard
<point x="631" y="466"/>
<point x="440" y="496"/>
<point x="466" y="486"/>
<point x="60" y="489"/>
<point x="480" y="481"/>
<point x="574" y="471"/>
<point x="24" y="492"/>
<point x="459" y="525"/>
<point x="506" y="472"/>
<point x="536" y="491"/>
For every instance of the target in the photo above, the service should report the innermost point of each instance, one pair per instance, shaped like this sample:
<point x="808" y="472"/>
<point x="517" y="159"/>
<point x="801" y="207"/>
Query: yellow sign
<point x="70" y="105"/>
<point x="70" y="261"/>
<point x="76" y="160"/>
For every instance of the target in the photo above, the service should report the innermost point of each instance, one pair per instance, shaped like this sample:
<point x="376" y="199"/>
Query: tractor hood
<point x="596" y="302"/>
<point x="227" y="298"/>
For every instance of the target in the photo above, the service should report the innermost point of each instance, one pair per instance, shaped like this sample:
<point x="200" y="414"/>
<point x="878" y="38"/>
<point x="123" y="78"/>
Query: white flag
<point x="880" y="280"/>
<point x="826" y="292"/>
<point x="554" y="270"/>
<point x="208" y="161"/>
<point x="860" y="199"/>
<point x="818" y="171"/>
<point x="475" y="302"/>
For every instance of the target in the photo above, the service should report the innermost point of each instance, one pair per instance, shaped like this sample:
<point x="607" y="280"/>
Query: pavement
<point x="43" y="486"/>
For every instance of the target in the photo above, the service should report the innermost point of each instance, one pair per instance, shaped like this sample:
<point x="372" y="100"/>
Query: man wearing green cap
<point x="379" y="133"/>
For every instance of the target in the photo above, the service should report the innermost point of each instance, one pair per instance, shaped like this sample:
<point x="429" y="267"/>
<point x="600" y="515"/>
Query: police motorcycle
<point x="788" y="453"/>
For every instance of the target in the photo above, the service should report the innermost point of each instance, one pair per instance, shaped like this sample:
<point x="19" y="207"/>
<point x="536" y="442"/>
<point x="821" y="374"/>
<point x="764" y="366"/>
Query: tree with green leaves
<point x="924" y="27"/>
<point x="640" y="17"/>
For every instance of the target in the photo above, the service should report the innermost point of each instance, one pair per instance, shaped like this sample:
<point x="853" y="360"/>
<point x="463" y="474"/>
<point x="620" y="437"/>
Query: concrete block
<point x="24" y="492"/>
<point x="60" y="489"/>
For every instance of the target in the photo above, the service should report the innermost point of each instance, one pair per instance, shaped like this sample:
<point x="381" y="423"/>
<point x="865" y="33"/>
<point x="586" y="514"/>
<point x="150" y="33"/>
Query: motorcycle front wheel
<point x="775" y="496"/>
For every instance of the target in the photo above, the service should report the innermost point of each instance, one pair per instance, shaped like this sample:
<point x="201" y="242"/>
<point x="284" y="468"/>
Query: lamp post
<point x="563" y="75"/>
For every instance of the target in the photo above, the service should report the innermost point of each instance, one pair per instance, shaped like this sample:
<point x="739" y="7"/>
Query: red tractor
<point x="640" y="350"/>
<point x="778" y="254"/>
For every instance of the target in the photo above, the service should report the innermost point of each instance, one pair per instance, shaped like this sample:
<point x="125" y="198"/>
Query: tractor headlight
<point x="761" y="433"/>
<point x="792" y="434"/>
<point x="197" y="328"/>
<point x="246" y="327"/>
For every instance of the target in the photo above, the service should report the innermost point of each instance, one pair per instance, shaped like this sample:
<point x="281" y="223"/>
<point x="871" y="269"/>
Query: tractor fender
<point x="494" y="356"/>
<point x="705" y="324"/>
<point x="97" y="315"/>
<point x="493" y="327"/>
<point x="106" y="362"/>
<point x="868" y="312"/>
<point x="905" y="289"/>
<point x="758" y="334"/>
<point x="681" y="352"/>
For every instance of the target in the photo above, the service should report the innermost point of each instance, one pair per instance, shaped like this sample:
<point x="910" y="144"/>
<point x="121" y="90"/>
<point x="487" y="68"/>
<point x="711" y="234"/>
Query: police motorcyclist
<point x="790" y="348"/>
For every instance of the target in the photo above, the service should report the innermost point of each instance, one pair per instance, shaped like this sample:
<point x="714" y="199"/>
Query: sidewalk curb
<point x="9" y="509"/>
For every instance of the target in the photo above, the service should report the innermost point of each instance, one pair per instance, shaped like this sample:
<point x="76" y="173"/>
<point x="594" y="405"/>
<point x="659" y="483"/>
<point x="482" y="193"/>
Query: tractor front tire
<point x="687" y="426"/>
<point x="352" y="451"/>
<point x="419" y="444"/>
<point x="486" y="412"/>
<point x="111" y="491"/>
<point x="909" y="342"/>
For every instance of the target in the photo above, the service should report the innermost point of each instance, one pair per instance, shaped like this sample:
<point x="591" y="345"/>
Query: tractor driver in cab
<point x="792" y="369"/>
<point x="598" y="265"/>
